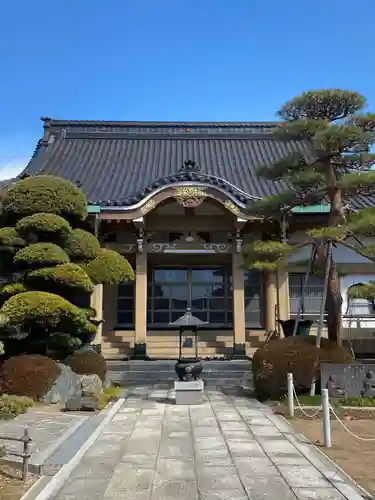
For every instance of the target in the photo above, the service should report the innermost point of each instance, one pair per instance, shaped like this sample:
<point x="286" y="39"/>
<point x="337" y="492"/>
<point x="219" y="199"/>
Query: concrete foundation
<point x="189" y="392"/>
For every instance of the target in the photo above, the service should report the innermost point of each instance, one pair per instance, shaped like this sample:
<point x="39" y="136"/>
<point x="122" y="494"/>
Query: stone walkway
<point x="228" y="448"/>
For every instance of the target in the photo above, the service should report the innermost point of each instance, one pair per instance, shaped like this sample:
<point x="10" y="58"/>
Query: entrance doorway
<point x="207" y="291"/>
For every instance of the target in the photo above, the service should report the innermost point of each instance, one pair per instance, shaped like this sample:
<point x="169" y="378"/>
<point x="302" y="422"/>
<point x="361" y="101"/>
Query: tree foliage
<point x="81" y="245"/>
<point x="45" y="194"/>
<point x="43" y="227"/>
<point x="51" y="265"/>
<point x="334" y="166"/>
<point x="109" y="267"/>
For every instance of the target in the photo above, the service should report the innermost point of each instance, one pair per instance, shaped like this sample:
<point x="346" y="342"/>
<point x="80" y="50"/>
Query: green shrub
<point x="359" y="401"/>
<point x="108" y="395"/>
<point x="87" y="363"/>
<point x="109" y="268"/>
<point x="36" y="311"/>
<point x="45" y="194"/>
<point x="40" y="255"/>
<point x="7" y="291"/>
<point x="45" y="227"/>
<point x="28" y="375"/>
<point x="10" y="239"/>
<point x="81" y="245"/>
<point x="65" y="275"/>
<point x="297" y="355"/>
<point x="11" y="406"/>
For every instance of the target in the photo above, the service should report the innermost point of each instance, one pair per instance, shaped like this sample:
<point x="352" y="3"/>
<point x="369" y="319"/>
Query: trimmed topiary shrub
<point x="40" y="255"/>
<point x="34" y="312"/>
<point x="63" y="276"/>
<point x="109" y="268"/>
<point x="7" y="291"/>
<point x="87" y="363"/>
<point x="81" y="245"/>
<point x="45" y="194"/>
<point x="47" y="308"/>
<point x="297" y="355"/>
<point x="12" y="406"/>
<point x="10" y="239"/>
<point x="43" y="227"/>
<point x="28" y="375"/>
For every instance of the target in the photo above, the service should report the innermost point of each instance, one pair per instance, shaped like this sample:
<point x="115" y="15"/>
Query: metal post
<point x="322" y="307"/>
<point x="290" y="395"/>
<point x="326" y="419"/>
<point x="25" y="454"/>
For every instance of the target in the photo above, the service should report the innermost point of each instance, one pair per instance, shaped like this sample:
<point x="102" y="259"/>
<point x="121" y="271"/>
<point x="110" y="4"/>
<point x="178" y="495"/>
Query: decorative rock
<point x="91" y="385"/>
<point x="90" y="403"/>
<point x="66" y="386"/>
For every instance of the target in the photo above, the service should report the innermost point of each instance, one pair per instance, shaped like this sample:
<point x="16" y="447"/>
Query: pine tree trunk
<point x="334" y="298"/>
<point x="333" y="305"/>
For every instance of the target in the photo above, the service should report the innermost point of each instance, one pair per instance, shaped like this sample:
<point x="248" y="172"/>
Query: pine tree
<point x="336" y="166"/>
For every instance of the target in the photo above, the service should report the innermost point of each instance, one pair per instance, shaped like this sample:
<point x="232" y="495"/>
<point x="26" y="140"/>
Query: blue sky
<point x="172" y="60"/>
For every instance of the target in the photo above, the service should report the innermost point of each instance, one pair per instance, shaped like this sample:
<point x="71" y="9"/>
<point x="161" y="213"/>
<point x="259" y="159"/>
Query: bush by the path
<point x="28" y="375"/>
<point x="11" y="406"/>
<point x="297" y="355"/>
<point x="87" y="363"/>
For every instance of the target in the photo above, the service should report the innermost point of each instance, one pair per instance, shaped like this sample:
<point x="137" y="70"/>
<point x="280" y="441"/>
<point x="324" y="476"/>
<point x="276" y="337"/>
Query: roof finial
<point x="189" y="166"/>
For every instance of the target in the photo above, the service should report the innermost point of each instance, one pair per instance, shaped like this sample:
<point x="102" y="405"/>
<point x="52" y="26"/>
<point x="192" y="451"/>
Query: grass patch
<point x="304" y="400"/>
<point x="359" y="401"/>
<point x="11" y="406"/>
<point x="108" y="395"/>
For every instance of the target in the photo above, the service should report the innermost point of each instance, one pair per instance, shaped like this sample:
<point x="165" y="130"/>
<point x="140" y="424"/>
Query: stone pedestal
<point x="189" y="392"/>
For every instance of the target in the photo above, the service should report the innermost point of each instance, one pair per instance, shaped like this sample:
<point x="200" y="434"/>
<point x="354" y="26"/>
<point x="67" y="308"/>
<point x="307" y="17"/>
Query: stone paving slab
<point x="228" y="448"/>
<point x="46" y="430"/>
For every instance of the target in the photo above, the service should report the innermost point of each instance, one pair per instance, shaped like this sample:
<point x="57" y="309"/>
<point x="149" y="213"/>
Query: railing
<point x="24" y="454"/>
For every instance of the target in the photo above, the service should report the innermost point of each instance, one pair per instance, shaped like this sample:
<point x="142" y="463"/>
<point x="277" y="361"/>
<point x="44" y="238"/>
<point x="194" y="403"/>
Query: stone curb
<point x="35" y="467"/>
<point x="346" y="490"/>
<point x="56" y="482"/>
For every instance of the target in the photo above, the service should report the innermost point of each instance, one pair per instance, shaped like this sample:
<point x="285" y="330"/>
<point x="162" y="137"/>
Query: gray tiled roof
<point x="118" y="163"/>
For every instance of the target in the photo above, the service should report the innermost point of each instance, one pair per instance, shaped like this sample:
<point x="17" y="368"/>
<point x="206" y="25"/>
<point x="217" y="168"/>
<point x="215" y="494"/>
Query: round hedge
<point x="28" y="375"/>
<point x="81" y="245"/>
<point x="40" y="255"/>
<point x="11" y="289"/>
<point x="108" y="268"/>
<point x="10" y="239"/>
<point x="87" y="363"/>
<point x="297" y="355"/>
<point x="30" y="311"/>
<point x="65" y="275"/>
<point x="45" y="193"/>
<point x="44" y="226"/>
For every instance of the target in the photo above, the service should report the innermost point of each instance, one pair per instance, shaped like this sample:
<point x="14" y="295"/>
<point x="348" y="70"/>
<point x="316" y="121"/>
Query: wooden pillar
<point x="271" y="300"/>
<point x="283" y="282"/>
<point x="239" y="345"/>
<point x="140" y="348"/>
<point x="96" y="302"/>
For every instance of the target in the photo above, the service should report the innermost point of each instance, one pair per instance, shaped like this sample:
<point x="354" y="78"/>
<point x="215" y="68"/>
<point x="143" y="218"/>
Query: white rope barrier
<point x="326" y="409"/>
<point x="299" y="406"/>
<point x="368" y="439"/>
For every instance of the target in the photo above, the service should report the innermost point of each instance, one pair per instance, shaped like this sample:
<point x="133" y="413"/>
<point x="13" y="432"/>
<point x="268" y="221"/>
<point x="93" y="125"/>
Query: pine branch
<point x="360" y="291"/>
<point x="358" y="183"/>
<point x="366" y="122"/>
<point x="354" y="162"/>
<point x="338" y="139"/>
<point x="325" y="104"/>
